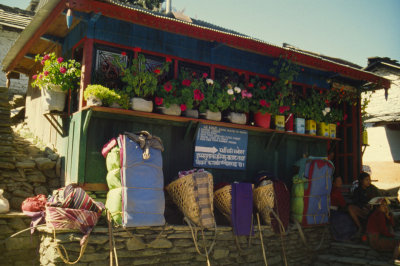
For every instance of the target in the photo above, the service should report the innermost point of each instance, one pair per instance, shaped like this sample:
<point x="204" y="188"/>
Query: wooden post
<point x="86" y="70"/>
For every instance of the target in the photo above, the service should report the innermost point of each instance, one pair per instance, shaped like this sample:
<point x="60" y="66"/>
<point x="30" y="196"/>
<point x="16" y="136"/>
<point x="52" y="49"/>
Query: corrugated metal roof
<point x="14" y="17"/>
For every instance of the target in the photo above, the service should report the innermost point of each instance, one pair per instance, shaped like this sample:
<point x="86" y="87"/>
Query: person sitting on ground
<point x="360" y="209"/>
<point x="380" y="230"/>
<point x="342" y="225"/>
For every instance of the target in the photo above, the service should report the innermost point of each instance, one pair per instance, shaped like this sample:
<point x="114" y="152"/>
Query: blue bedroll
<point x="319" y="173"/>
<point x="142" y="186"/>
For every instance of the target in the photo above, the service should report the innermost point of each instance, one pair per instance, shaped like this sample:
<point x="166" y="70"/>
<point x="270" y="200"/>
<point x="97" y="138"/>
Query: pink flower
<point x="183" y="107"/>
<point x="46" y="57"/>
<point x="34" y="77"/>
<point x="186" y="82"/>
<point x="45" y="73"/>
<point x="43" y="62"/>
<point x="123" y="53"/>
<point x="157" y="71"/>
<point x="63" y="70"/>
<point x="158" y="100"/>
<point x="40" y="76"/>
<point x="198" y="95"/>
<point x="168" y="86"/>
<point x="205" y="75"/>
<point x="60" y="60"/>
<point x="246" y="94"/>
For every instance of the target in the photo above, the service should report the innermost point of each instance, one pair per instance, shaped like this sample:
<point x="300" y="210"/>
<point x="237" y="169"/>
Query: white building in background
<point x="383" y="125"/>
<point x="12" y="21"/>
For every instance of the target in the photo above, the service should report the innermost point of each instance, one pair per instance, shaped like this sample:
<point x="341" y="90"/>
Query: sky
<point x="352" y="30"/>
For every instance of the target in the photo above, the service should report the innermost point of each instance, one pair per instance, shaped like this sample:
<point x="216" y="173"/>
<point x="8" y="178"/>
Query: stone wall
<point x="173" y="245"/>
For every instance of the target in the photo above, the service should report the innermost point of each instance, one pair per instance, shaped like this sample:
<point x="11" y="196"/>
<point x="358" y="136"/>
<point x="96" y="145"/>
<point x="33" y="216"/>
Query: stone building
<point x="383" y="125"/>
<point x="12" y="21"/>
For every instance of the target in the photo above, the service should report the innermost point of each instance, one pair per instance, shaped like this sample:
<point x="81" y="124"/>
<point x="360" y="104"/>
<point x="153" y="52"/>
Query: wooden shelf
<point x="183" y="119"/>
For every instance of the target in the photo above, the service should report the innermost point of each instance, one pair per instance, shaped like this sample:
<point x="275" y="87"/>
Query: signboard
<point x="220" y="147"/>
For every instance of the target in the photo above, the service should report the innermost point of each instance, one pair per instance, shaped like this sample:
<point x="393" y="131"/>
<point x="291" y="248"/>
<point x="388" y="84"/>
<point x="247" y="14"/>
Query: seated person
<point x="360" y="209"/>
<point x="342" y="226"/>
<point x="380" y="230"/>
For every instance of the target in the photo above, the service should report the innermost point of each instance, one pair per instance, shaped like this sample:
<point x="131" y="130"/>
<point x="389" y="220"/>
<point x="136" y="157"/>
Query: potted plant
<point x="241" y="100"/>
<point x="56" y="78"/>
<point x="141" y="83"/>
<point x="166" y="99"/>
<point x="214" y="100"/>
<point x="299" y="110"/>
<point x="98" y="95"/>
<point x="263" y="104"/>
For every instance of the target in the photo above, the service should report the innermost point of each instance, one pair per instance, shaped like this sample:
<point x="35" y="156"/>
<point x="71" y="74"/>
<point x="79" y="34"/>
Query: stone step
<point x="327" y="259"/>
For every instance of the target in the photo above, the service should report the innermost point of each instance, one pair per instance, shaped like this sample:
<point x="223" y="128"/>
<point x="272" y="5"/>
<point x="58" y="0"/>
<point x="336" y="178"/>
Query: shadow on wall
<point x="393" y="137"/>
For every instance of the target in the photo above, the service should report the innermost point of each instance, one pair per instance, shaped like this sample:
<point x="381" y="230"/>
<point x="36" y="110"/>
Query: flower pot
<point x="262" y="120"/>
<point x="94" y="101"/>
<point x="53" y="98"/>
<point x="279" y="122"/>
<point x="237" y="118"/>
<point x="140" y="104"/>
<point x="332" y="130"/>
<point x="300" y="125"/>
<point x="365" y="137"/>
<point x="311" y="127"/>
<point x="323" y="129"/>
<point x="193" y="113"/>
<point x="115" y="105"/>
<point x="215" y="116"/>
<point x="289" y="123"/>
<point x="173" y="109"/>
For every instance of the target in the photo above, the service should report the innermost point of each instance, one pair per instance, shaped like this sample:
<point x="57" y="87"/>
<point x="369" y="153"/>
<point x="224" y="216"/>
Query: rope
<point x="111" y="240"/>
<point x="249" y="240"/>
<point x="303" y="238"/>
<point x="66" y="258"/>
<point x="194" y="237"/>
<point x="157" y="237"/>
<point x="261" y="238"/>
<point x="26" y="229"/>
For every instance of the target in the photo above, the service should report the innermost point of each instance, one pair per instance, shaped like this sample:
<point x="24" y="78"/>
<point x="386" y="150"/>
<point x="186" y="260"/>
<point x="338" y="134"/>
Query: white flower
<point x="327" y="109"/>
<point x="324" y="112"/>
<point x="237" y="90"/>
<point x="209" y="81"/>
<point x="230" y="92"/>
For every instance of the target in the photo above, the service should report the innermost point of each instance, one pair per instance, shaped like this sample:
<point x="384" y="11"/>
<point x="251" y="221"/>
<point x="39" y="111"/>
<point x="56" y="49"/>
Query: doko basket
<point x="183" y="195"/>
<point x="223" y="201"/>
<point x="263" y="198"/>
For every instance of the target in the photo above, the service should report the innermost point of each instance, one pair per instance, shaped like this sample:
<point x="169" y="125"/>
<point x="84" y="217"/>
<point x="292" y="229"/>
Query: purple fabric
<point x="37" y="219"/>
<point x="242" y="208"/>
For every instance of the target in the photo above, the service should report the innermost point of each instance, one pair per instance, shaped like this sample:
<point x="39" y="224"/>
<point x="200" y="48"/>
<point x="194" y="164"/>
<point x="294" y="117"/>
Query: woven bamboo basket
<point x="183" y="195"/>
<point x="223" y="201"/>
<point x="263" y="198"/>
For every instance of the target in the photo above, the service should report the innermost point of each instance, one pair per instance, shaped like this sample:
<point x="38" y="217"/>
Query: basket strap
<point x="194" y="237"/>
<point x="261" y="238"/>
<point x="66" y="258"/>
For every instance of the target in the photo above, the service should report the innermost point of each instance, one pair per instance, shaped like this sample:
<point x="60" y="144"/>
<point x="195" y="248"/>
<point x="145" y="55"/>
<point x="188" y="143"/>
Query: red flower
<point x="34" y="77"/>
<point x="263" y="88"/>
<point x="186" y="82"/>
<point x="205" y="75"/>
<point x="137" y="49"/>
<point x="45" y="73"/>
<point x="345" y="117"/>
<point x="198" y="95"/>
<point x="63" y="70"/>
<point x="60" y="60"/>
<point x="268" y="83"/>
<point x="168" y="86"/>
<point x="46" y="57"/>
<point x="168" y="60"/>
<point x="282" y="109"/>
<point x="158" y="100"/>
<point x="250" y="85"/>
<point x="338" y="123"/>
<point x="194" y="74"/>
<point x="327" y="101"/>
<point x="123" y="53"/>
<point x="40" y="76"/>
<point x="263" y="102"/>
<point x="183" y="107"/>
<point x="320" y="91"/>
<point x="42" y="62"/>
<point x="302" y="69"/>
<point x="157" y="71"/>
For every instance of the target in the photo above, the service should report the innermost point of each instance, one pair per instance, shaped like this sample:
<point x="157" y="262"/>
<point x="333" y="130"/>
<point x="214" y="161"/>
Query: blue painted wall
<point x="133" y="35"/>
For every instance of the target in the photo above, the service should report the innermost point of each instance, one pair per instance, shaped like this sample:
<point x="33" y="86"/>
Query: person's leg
<point x="355" y="212"/>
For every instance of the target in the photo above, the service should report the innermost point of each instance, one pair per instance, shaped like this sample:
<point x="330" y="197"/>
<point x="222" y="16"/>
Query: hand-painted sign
<point x="220" y="147"/>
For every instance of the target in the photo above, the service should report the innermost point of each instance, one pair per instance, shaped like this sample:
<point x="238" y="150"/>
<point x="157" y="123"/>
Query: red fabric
<point x="281" y="206"/>
<point x="378" y="224"/>
<point x="34" y="204"/>
<point x="337" y="198"/>
<point x="108" y="146"/>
